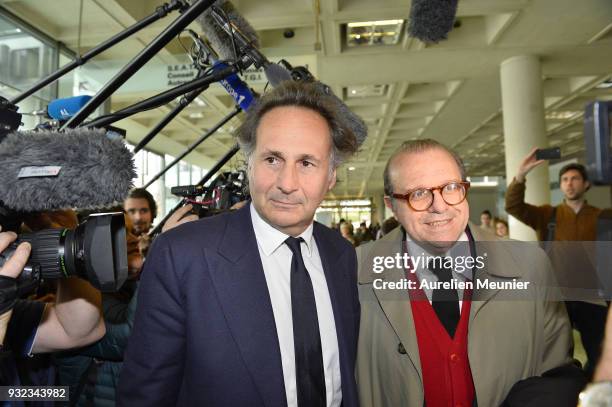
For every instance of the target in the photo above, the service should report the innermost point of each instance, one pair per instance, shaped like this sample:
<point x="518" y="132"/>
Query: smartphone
<point x="548" y="153"/>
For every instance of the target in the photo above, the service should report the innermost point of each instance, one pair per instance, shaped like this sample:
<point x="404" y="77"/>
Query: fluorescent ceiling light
<point x="373" y="33"/>
<point x="562" y="115"/>
<point x="366" y="91"/>
<point x="378" y="22"/>
<point x="605" y="84"/>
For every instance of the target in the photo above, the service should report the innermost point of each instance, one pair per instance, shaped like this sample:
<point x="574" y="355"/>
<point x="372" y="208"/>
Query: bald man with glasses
<point x="429" y="334"/>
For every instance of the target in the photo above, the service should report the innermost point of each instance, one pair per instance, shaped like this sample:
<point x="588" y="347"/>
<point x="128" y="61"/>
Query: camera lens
<point x="95" y="251"/>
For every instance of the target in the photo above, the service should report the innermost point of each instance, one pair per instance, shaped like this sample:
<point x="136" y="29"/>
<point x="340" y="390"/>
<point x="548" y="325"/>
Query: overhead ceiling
<point x="448" y="91"/>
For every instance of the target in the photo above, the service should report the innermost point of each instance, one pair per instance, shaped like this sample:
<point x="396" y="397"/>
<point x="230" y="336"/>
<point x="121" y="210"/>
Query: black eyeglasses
<point x="420" y="199"/>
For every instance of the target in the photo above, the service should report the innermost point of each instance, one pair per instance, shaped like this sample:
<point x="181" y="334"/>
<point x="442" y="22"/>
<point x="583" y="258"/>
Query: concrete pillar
<point x="524" y="128"/>
<point x="378" y="214"/>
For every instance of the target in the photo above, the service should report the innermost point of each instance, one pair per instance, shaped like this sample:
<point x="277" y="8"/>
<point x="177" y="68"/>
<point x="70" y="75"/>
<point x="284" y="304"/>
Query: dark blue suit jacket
<point x="204" y="332"/>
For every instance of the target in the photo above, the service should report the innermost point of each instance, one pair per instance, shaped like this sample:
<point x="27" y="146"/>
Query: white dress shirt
<point x="461" y="248"/>
<point x="276" y="260"/>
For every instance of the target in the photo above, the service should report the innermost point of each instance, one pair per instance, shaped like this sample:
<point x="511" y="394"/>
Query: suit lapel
<point x="338" y="281"/>
<point x="499" y="265"/>
<point x="481" y="296"/>
<point x="243" y="293"/>
<point x="396" y="303"/>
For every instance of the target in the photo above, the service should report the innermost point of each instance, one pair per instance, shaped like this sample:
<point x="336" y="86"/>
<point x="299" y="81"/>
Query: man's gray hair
<point x="310" y="95"/>
<point x="418" y="146"/>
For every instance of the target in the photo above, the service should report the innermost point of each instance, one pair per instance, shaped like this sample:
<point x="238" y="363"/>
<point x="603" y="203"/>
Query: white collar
<point x="269" y="238"/>
<point x="413" y="246"/>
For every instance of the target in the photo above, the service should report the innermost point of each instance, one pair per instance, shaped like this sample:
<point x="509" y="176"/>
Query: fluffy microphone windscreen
<point x="432" y="20"/>
<point x="94" y="171"/>
<point x="277" y="74"/>
<point x="351" y="120"/>
<point x="218" y="38"/>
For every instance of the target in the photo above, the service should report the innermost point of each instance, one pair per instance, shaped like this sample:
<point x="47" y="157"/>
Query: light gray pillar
<point x="379" y="209"/>
<point x="524" y="128"/>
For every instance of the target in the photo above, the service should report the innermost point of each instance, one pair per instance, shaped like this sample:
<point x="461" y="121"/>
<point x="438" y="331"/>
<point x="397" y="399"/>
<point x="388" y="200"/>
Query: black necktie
<point x="309" y="374"/>
<point x="445" y="302"/>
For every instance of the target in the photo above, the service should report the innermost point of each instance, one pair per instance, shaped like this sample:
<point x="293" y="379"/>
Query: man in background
<point x="572" y="220"/>
<point x="141" y="208"/>
<point x="486" y="220"/>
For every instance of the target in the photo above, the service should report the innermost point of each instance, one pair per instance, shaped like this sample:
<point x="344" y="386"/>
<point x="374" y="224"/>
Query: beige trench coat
<point x="508" y="340"/>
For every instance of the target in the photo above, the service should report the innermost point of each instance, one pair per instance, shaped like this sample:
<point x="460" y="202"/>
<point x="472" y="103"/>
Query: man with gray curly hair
<point x="257" y="307"/>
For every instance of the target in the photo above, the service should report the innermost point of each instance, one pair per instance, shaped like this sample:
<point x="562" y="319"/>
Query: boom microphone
<point x="432" y="20"/>
<point x="276" y="74"/>
<point x="354" y="122"/>
<point x="219" y="33"/>
<point x="79" y="168"/>
<point x="351" y="120"/>
<point x="223" y="35"/>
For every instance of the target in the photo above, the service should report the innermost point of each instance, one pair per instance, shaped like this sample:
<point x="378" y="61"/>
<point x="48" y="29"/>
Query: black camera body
<point x="95" y="251"/>
<point x="226" y="190"/>
<point x="10" y="120"/>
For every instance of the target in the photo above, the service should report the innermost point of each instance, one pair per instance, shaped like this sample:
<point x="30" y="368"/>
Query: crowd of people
<point x="495" y="225"/>
<point x="262" y="306"/>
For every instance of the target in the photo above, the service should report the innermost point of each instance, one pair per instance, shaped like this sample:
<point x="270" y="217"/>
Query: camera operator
<point x="91" y="372"/>
<point x="29" y="327"/>
<point x="8" y="273"/>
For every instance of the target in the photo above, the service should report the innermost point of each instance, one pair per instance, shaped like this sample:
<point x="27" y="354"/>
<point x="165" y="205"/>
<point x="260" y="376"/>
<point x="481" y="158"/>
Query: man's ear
<point x="332" y="180"/>
<point x="587" y="186"/>
<point x="389" y="202"/>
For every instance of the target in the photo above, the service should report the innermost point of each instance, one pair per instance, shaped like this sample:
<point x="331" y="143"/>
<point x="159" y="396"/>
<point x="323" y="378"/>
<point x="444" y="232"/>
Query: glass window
<point x="65" y="84"/>
<point x="184" y="173"/>
<point x="139" y="163"/>
<point x="170" y="180"/>
<point x="171" y="176"/>
<point x="24" y="59"/>
<point x="154" y="163"/>
<point x="196" y="174"/>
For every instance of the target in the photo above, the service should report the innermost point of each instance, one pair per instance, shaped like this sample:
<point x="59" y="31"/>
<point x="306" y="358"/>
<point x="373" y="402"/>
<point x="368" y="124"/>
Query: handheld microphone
<point x="79" y="168"/>
<point x="238" y="90"/>
<point x="432" y="20"/>
<point x="63" y="109"/>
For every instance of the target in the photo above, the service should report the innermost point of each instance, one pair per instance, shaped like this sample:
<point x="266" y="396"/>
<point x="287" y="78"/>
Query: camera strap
<point x="8" y="293"/>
